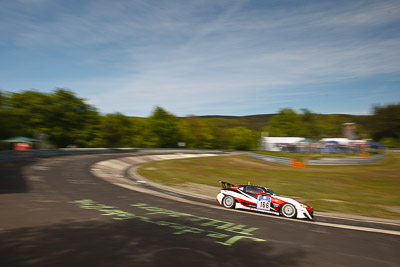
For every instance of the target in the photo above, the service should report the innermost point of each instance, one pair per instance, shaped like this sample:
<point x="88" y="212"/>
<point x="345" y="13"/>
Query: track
<point x="61" y="214"/>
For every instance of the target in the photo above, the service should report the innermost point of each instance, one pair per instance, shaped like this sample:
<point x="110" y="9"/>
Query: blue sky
<point x="205" y="57"/>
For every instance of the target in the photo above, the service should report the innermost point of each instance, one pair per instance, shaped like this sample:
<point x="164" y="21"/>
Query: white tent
<point x="275" y="143"/>
<point x="340" y="141"/>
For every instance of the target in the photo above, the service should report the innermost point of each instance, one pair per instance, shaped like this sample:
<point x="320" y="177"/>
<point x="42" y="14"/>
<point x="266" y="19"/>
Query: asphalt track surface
<point x="55" y="212"/>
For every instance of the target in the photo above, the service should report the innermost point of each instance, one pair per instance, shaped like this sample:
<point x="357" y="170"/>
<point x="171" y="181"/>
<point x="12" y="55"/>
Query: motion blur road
<point x="55" y="212"/>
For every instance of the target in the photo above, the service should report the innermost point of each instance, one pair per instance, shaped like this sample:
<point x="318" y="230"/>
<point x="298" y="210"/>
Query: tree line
<point x="67" y="119"/>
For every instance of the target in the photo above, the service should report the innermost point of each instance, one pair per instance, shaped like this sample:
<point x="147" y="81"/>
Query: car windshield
<point x="269" y="192"/>
<point x="255" y="189"/>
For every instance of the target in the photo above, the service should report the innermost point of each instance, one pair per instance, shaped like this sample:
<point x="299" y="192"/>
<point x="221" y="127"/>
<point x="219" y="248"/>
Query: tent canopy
<point x="308" y="140"/>
<point x="332" y="142"/>
<point x="20" y="139"/>
<point x="375" y="144"/>
<point x="340" y="141"/>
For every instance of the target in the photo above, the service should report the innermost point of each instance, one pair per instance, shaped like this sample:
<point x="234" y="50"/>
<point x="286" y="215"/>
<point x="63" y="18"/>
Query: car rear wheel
<point x="288" y="210"/>
<point x="228" y="202"/>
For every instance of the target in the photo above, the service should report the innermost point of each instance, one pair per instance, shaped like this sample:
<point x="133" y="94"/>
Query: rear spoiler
<point x="225" y="185"/>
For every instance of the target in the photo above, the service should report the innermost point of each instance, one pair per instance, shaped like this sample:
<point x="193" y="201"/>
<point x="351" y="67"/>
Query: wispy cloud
<point x="196" y="57"/>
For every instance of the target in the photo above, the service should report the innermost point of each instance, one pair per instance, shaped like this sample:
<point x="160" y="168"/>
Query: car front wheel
<point x="228" y="202"/>
<point x="288" y="210"/>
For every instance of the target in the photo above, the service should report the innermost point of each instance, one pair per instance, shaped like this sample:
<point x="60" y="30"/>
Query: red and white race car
<point x="259" y="198"/>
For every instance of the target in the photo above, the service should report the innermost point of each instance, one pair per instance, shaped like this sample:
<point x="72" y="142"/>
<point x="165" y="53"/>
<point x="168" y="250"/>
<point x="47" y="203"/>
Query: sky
<point x="205" y="57"/>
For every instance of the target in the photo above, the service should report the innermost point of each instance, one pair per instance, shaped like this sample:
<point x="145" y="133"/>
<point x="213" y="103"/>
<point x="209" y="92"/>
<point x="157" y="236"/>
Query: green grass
<point x="362" y="190"/>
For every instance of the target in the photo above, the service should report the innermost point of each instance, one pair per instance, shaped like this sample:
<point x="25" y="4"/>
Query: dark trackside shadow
<point x="12" y="179"/>
<point x="131" y="243"/>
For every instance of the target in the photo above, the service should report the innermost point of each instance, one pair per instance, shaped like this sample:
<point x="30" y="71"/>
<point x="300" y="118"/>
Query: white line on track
<point x="366" y="219"/>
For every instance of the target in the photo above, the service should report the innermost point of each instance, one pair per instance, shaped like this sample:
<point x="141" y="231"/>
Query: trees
<point x="30" y="111"/>
<point x="9" y="124"/>
<point x="72" y="120"/>
<point x="64" y="117"/>
<point x="197" y="133"/>
<point x="285" y="123"/>
<point x="385" y="124"/>
<point x="331" y="125"/>
<point x="68" y="119"/>
<point x="116" y="130"/>
<point x="309" y="124"/>
<point x="243" y="138"/>
<point x="163" y="127"/>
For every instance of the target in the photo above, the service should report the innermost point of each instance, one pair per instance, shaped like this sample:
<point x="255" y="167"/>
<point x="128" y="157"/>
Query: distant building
<point x="305" y="145"/>
<point x="349" y="130"/>
<point x="337" y="141"/>
<point x="279" y="143"/>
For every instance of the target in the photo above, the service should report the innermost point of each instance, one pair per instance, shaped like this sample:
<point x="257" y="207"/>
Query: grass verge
<point x="369" y="190"/>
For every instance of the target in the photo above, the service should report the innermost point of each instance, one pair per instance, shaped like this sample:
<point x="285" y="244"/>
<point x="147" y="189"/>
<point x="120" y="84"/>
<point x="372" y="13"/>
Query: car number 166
<point x="264" y="202"/>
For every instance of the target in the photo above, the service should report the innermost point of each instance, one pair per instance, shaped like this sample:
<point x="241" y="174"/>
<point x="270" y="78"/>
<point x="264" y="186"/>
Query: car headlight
<point x="303" y="206"/>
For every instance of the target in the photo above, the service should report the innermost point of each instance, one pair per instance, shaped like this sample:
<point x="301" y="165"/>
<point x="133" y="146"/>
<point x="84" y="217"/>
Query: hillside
<point x="257" y="122"/>
<point x="252" y="122"/>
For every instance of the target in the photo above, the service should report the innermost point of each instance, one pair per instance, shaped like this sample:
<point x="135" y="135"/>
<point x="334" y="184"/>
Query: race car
<point x="260" y="198"/>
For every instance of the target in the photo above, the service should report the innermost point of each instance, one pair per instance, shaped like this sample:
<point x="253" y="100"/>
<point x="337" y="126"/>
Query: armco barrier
<point x="322" y="161"/>
<point x="279" y="160"/>
<point x="12" y="155"/>
<point x="346" y="161"/>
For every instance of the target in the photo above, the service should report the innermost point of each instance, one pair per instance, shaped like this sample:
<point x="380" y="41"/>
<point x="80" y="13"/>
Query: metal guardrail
<point x="346" y="161"/>
<point x="12" y="155"/>
<point x="322" y="161"/>
<point x="279" y="160"/>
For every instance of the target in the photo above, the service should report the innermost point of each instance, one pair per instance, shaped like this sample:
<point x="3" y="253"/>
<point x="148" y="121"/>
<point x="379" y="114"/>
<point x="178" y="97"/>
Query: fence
<point x="322" y="161"/>
<point x="279" y="160"/>
<point x="13" y="155"/>
<point x="346" y="161"/>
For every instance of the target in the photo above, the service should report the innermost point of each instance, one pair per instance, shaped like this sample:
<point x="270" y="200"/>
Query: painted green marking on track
<point x="228" y="228"/>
